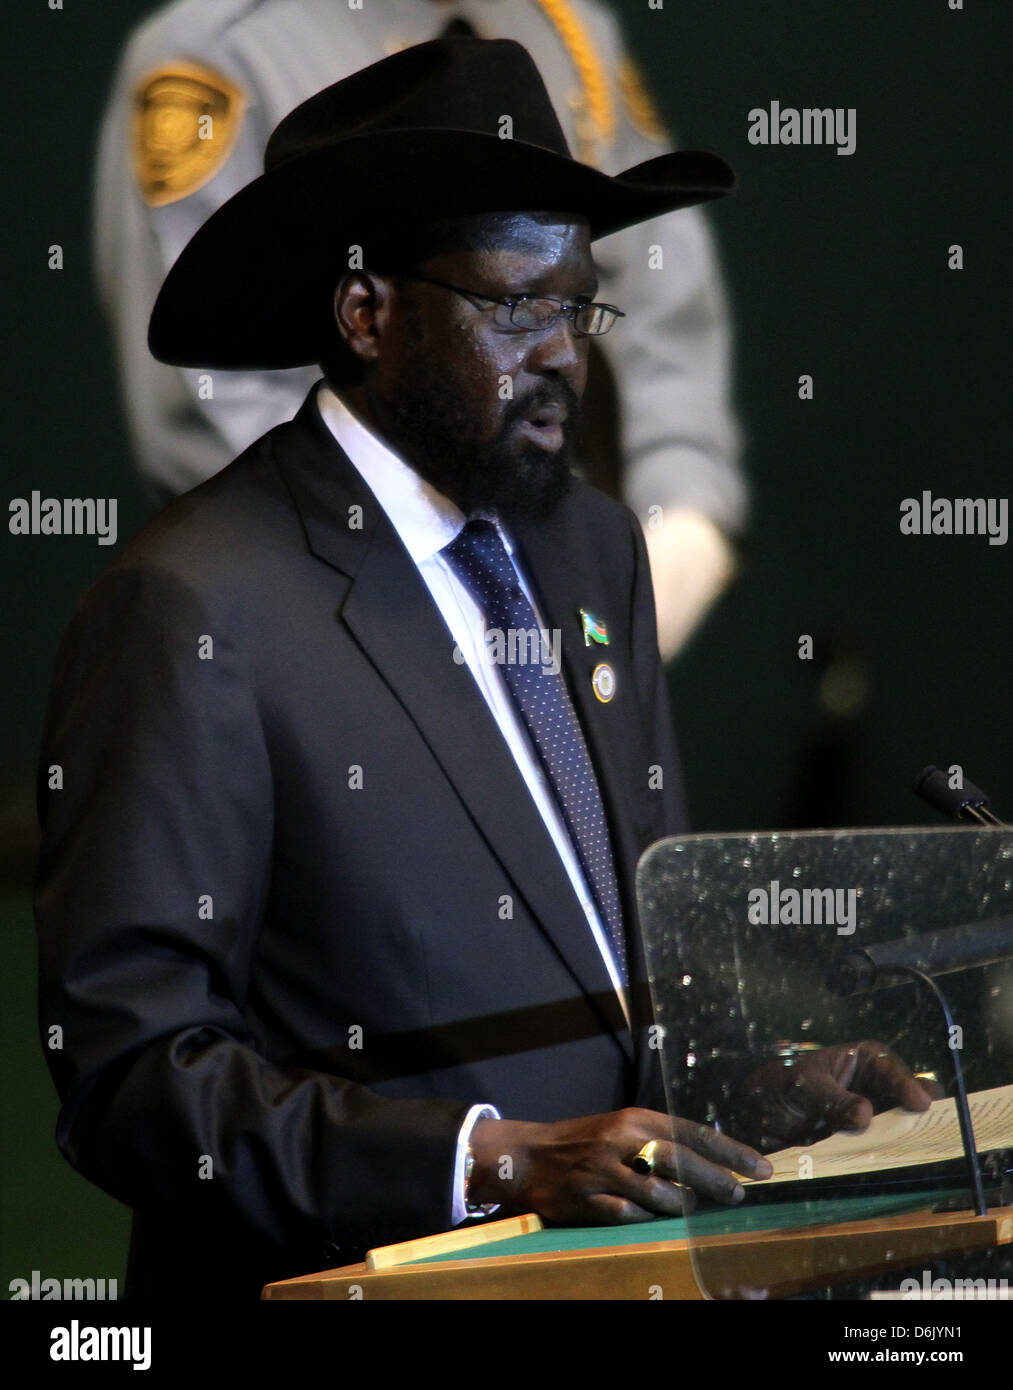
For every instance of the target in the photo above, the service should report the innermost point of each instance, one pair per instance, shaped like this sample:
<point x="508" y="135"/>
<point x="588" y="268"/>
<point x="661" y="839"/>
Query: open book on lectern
<point x="899" y="1146"/>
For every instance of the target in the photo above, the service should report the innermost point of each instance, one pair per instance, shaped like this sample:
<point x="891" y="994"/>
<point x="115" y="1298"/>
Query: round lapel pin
<point x="603" y="682"/>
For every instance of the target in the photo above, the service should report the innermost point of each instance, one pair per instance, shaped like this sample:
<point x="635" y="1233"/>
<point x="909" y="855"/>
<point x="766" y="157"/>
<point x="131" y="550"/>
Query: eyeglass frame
<point x="512" y="302"/>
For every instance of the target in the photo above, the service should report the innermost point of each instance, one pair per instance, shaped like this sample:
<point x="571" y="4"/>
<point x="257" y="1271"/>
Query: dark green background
<point x="837" y="266"/>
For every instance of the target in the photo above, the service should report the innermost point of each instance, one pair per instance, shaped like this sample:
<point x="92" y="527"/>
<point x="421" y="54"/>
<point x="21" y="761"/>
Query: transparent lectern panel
<point x="751" y="945"/>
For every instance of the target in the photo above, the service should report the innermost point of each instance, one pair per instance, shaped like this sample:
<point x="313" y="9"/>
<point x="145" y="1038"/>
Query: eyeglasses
<point x="526" y="314"/>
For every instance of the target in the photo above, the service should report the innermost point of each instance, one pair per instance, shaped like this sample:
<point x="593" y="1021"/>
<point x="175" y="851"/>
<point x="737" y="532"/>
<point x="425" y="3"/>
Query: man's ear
<point x="362" y="308"/>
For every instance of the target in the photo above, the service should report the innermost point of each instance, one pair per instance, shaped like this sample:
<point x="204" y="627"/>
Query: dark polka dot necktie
<point x="481" y="562"/>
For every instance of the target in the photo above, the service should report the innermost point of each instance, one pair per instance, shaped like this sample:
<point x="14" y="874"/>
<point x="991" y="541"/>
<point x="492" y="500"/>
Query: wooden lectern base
<point x="618" y="1263"/>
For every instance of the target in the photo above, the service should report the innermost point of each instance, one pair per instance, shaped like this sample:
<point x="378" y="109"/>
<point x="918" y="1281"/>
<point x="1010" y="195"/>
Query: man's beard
<point x="509" y="476"/>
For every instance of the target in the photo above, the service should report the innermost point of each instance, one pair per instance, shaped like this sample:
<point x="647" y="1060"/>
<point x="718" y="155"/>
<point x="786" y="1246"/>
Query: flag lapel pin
<point x="593" y="628"/>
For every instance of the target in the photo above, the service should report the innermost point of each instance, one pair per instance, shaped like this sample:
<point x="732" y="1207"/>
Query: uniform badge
<point x="185" y="121"/>
<point x="603" y="682"/>
<point x="594" y="629"/>
<point x="640" y="109"/>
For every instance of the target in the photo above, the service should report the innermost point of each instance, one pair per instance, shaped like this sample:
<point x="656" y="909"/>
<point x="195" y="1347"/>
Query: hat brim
<point x="252" y="287"/>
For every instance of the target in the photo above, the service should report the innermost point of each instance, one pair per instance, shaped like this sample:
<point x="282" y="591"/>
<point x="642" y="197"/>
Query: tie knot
<point x="480" y="560"/>
<point x="480" y="530"/>
<point x="476" y="534"/>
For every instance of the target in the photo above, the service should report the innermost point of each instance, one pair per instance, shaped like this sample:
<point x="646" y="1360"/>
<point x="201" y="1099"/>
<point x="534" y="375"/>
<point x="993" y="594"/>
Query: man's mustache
<point x="559" y="393"/>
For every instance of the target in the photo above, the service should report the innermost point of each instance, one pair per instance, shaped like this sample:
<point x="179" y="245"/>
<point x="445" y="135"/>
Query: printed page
<point x="900" y="1139"/>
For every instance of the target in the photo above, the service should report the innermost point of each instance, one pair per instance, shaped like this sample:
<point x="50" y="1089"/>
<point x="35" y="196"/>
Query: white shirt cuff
<point x="459" y="1209"/>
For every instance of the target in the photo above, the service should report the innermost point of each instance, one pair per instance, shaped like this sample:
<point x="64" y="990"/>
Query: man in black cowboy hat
<point x="358" y="743"/>
<point x="673" y="450"/>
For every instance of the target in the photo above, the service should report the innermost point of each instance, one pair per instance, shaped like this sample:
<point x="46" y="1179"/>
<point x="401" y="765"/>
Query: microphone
<point x="889" y="963"/>
<point x="966" y="802"/>
<point x="919" y="958"/>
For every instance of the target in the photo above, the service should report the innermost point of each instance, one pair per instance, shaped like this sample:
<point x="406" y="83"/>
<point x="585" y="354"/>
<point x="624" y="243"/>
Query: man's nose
<point x="560" y="349"/>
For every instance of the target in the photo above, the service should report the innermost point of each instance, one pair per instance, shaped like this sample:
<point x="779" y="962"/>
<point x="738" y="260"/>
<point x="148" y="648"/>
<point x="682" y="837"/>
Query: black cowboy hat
<point x="416" y="136"/>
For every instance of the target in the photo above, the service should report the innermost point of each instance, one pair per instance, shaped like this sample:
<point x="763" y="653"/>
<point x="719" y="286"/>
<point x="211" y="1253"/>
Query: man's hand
<point x="577" y="1172"/>
<point x="838" y="1087"/>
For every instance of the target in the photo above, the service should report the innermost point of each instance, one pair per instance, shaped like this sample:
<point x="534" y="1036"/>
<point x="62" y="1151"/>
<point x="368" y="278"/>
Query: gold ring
<point x="643" y="1162"/>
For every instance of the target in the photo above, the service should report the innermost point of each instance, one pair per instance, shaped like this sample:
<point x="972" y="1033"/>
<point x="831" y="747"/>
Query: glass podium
<point x="756" y="946"/>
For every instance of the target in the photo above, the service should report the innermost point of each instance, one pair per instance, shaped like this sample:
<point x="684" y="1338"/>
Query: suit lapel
<point x="391" y="614"/>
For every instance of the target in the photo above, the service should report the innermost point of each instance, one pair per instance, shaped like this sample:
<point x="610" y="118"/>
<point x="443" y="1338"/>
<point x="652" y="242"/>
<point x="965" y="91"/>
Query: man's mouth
<point x="543" y="425"/>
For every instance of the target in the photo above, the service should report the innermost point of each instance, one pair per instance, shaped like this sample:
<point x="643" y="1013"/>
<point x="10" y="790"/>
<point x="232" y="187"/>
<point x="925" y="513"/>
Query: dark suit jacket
<point x="297" y="910"/>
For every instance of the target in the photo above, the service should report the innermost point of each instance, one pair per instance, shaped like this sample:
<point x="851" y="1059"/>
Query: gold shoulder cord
<point x="593" y="109"/>
<point x="639" y="107"/>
